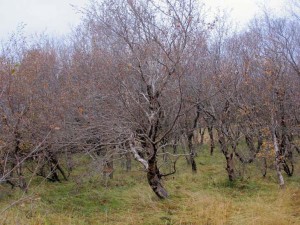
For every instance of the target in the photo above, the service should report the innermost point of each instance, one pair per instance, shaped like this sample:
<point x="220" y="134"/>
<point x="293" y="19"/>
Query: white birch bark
<point x="136" y="155"/>
<point x="277" y="155"/>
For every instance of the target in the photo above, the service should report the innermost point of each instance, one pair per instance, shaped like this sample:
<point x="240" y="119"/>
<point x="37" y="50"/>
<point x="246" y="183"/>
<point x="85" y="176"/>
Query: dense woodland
<point x="151" y="81"/>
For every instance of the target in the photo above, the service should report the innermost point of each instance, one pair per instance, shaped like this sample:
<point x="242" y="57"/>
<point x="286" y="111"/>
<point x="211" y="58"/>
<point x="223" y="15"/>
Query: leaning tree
<point x="149" y="44"/>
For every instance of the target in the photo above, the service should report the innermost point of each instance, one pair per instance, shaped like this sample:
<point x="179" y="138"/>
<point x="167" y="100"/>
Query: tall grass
<point x="203" y="198"/>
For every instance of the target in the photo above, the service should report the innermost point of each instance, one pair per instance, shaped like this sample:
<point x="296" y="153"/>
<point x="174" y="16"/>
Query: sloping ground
<point x="205" y="198"/>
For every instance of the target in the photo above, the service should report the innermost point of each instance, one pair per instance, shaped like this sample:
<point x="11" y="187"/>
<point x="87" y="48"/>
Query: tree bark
<point x="277" y="162"/>
<point x="202" y="132"/>
<point x="19" y="169"/>
<point x="228" y="157"/>
<point x="54" y="161"/>
<point x="154" y="179"/>
<point x="128" y="161"/>
<point x="277" y="154"/>
<point x="190" y="140"/>
<point x="211" y="137"/>
<point x="185" y="151"/>
<point x="230" y="166"/>
<point x="192" y="153"/>
<point x="265" y="166"/>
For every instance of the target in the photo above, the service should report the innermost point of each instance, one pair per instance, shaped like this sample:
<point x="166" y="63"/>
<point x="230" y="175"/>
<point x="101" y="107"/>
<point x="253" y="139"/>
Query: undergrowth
<point x="204" y="198"/>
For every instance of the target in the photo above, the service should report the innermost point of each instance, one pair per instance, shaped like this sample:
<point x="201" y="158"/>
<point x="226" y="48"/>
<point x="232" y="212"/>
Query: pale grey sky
<point x="57" y="16"/>
<point x="50" y="16"/>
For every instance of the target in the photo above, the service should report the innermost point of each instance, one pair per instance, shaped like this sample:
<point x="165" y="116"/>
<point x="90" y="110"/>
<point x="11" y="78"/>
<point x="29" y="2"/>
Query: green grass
<point x="203" y="198"/>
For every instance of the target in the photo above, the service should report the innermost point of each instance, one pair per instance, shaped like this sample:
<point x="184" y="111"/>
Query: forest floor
<point x="203" y="198"/>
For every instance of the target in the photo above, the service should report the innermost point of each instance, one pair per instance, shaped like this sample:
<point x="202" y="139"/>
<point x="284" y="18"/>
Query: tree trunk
<point x="277" y="167"/>
<point x="287" y="169"/>
<point x="230" y="166"/>
<point x="154" y="179"/>
<point x="128" y="162"/>
<point x="192" y="153"/>
<point x="184" y="148"/>
<point x="54" y="161"/>
<point x="19" y="169"/>
<point x="265" y="166"/>
<point x="211" y="137"/>
<point x="153" y="173"/>
<point x="277" y="155"/>
<point x="202" y="132"/>
<point x="228" y="156"/>
<point x="54" y="174"/>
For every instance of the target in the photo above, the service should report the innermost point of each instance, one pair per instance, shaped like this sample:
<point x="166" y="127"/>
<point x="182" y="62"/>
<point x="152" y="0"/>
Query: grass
<point x="204" y="198"/>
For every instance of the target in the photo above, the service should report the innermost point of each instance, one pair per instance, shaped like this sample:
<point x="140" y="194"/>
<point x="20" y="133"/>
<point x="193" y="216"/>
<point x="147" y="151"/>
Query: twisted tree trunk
<point x="228" y="156"/>
<point x="154" y="179"/>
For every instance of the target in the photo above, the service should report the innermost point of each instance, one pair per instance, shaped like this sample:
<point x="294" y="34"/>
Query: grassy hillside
<point x="203" y="198"/>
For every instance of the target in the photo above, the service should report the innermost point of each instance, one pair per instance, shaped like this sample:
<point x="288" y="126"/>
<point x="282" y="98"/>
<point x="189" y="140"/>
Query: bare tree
<point x="149" y="65"/>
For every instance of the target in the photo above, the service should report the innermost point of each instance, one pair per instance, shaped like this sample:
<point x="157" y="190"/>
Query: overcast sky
<point x="58" y="16"/>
